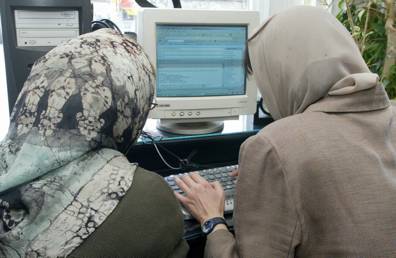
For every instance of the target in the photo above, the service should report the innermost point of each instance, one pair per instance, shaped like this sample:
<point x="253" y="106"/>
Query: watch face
<point x="207" y="226"/>
<point x="210" y="224"/>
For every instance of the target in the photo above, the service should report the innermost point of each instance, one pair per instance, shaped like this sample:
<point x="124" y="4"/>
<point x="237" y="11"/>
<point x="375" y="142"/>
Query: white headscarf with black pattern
<point x="60" y="172"/>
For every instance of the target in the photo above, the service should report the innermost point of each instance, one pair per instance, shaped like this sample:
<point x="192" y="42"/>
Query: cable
<point x="112" y="25"/>
<point x="151" y="138"/>
<point x="261" y="106"/>
<point x="144" y="3"/>
<point x="104" y="23"/>
<point x="184" y="164"/>
<point x="176" y="4"/>
<point x="163" y="160"/>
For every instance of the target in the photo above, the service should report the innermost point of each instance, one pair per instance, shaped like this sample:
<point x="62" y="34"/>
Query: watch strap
<point x="210" y="224"/>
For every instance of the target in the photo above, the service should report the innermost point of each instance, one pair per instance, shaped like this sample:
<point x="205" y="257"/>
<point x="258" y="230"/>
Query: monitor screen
<point x="196" y="60"/>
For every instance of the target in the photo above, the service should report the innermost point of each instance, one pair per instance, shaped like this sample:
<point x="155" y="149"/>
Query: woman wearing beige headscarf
<point x="321" y="180"/>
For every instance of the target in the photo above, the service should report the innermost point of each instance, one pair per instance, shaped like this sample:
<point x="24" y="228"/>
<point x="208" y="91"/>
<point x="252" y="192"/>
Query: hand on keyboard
<point x="204" y="200"/>
<point x="220" y="174"/>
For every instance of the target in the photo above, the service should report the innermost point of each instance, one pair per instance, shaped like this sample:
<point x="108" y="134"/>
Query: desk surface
<point x="243" y="125"/>
<point x="207" y="150"/>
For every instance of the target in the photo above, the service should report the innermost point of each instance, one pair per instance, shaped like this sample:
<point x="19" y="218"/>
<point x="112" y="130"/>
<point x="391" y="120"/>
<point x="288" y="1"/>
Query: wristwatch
<point x="210" y="224"/>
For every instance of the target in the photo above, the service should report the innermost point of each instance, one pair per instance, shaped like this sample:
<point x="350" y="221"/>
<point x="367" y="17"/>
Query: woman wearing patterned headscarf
<point x="65" y="186"/>
<point x="321" y="180"/>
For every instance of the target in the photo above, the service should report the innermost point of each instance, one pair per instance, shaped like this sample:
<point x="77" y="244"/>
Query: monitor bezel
<point x="221" y="106"/>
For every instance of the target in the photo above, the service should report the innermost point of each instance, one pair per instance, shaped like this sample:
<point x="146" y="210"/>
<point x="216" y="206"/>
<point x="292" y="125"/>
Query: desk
<point x="209" y="150"/>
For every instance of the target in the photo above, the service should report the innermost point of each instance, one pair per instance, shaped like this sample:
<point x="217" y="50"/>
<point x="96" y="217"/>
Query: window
<point x="122" y="12"/>
<point x="211" y="4"/>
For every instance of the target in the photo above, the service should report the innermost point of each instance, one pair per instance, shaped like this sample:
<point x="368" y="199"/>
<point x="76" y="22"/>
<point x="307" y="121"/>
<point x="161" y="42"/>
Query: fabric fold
<point x="62" y="171"/>
<point x="354" y="83"/>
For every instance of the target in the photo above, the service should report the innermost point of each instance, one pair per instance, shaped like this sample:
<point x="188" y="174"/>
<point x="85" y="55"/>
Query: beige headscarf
<point x="302" y="55"/>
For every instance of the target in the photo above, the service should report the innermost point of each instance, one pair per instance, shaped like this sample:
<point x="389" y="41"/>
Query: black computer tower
<point x="24" y="43"/>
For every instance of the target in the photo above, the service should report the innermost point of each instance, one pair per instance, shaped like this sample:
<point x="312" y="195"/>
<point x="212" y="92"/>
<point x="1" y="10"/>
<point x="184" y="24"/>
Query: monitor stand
<point x="190" y="128"/>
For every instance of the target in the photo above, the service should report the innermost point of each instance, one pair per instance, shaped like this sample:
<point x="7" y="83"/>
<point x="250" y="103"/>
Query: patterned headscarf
<point x="62" y="171"/>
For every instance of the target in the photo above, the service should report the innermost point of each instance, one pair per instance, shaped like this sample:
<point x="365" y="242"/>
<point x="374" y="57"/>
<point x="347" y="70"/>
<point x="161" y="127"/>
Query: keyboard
<point x="220" y="174"/>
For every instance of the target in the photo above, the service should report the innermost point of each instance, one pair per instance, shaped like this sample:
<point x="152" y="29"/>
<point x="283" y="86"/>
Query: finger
<point x="185" y="188"/>
<point x="187" y="180"/>
<point x="187" y="206"/>
<point x="217" y="186"/>
<point x="197" y="178"/>
<point x="234" y="173"/>
<point x="181" y="198"/>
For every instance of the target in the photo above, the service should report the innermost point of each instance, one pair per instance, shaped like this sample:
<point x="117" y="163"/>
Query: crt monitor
<point x="199" y="60"/>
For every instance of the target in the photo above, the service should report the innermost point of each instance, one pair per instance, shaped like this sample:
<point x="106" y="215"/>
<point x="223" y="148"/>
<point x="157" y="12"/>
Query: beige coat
<point x="321" y="181"/>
